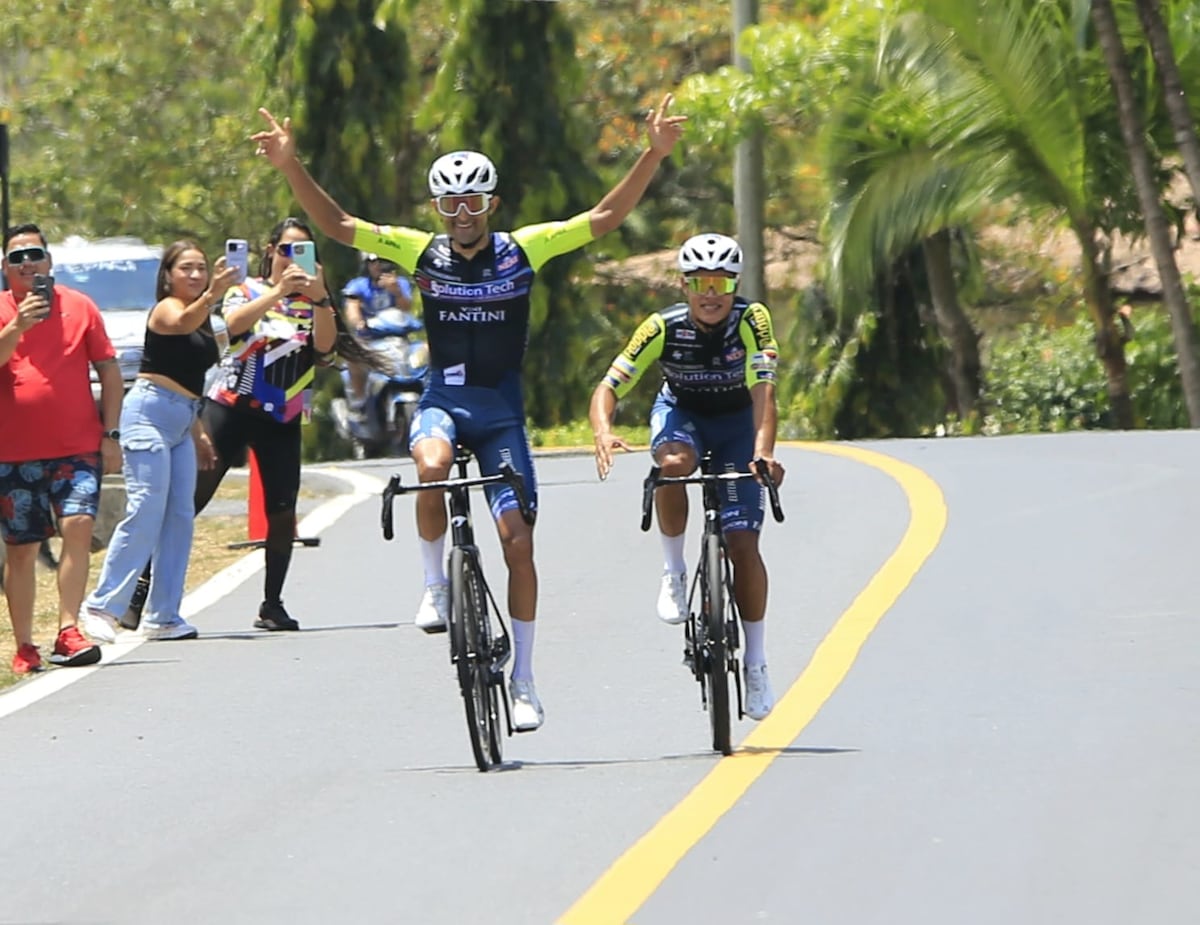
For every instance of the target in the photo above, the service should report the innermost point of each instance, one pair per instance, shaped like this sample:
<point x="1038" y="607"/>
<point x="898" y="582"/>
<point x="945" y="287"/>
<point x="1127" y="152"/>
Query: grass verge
<point x="209" y="556"/>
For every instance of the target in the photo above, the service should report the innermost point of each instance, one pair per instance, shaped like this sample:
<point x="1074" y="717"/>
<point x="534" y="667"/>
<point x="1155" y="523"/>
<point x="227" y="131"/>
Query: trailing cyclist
<point x="475" y="286"/>
<point x="717" y="354"/>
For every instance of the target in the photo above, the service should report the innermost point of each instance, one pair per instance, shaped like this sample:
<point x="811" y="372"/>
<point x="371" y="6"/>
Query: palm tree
<point x="981" y="102"/>
<point x="1157" y="228"/>
<point x="1174" y="97"/>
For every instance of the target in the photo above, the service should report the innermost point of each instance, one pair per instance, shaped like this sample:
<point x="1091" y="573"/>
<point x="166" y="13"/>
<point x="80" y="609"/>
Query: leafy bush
<point x="1049" y="379"/>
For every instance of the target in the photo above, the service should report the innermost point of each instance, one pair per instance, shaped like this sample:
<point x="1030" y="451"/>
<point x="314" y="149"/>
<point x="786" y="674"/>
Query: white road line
<point x="362" y="487"/>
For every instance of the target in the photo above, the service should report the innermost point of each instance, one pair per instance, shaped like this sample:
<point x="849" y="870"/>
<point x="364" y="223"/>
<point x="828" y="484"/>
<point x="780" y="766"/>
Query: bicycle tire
<point x="468" y="612"/>
<point x="716" y="659"/>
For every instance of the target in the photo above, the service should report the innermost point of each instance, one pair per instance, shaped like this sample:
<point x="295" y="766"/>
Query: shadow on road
<point x="580" y="764"/>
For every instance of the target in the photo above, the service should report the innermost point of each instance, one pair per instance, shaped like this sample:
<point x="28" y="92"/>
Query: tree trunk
<point x="1110" y="345"/>
<point x="952" y="324"/>
<point x="1182" y="124"/>
<point x="1157" y="228"/>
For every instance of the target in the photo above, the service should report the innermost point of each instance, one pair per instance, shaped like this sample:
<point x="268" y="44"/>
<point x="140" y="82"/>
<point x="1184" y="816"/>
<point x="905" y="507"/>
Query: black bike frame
<point x="463" y="538"/>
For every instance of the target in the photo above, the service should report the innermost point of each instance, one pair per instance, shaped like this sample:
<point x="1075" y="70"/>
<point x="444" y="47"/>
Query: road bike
<point x="711" y="633"/>
<point x="480" y="645"/>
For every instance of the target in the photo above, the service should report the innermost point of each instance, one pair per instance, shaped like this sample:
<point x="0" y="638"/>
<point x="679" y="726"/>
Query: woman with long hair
<point x="281" y="324"/>
<point x="163" y="446"/>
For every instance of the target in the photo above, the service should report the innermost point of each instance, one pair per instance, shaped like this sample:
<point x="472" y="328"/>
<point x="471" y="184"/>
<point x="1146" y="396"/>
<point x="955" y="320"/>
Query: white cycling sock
<point x="673" y="558"/>
<point x="756" y="651"/>
<point x="433" y="558"/>
<point x="522" y="631"/>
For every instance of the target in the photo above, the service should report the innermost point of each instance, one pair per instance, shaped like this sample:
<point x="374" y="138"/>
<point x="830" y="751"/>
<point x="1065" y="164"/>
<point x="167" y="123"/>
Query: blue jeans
<point x="160" y="484"/>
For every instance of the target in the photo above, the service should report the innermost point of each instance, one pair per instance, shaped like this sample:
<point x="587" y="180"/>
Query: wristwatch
<point x="113" y="434"/>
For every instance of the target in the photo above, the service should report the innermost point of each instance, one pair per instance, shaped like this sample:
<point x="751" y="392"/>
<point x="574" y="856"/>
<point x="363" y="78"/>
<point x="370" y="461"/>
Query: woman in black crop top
<point x="163" y="446"/>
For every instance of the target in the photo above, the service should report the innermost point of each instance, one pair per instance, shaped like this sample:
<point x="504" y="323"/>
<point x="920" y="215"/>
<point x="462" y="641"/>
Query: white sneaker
<point x="760" y="699"/>
<point x="672" y="598"/>
<point x="434" y="609"/>
<point x="99" y="625"/>
<point x="180" y="629"/>
<point x="527" y="712"/>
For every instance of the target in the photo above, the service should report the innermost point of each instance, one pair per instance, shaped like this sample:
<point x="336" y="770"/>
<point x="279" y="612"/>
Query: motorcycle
<point x="379" y="426"/>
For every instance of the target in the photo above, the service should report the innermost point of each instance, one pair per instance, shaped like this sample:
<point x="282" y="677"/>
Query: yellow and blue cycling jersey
<point x="706" y="372"/>
<point x="476" y="311"/>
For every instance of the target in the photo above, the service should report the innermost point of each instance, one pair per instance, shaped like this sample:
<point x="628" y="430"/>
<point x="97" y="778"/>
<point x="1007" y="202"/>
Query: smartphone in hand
<point x="44" y="286"/>
<point x="237" y="254"/>
<point x="304" y="253"/>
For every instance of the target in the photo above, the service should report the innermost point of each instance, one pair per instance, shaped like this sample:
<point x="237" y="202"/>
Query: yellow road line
<point x="634" y="877"/>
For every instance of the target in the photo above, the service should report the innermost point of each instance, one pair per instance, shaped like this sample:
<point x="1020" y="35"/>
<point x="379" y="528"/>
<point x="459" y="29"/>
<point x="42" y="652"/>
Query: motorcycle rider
<point x="380" y="286"/>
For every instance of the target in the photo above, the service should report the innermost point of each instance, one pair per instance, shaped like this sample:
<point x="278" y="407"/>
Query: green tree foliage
<point x="504" y="87"/>
<point x="343" y="76"/>
<point x="129" y="122"/>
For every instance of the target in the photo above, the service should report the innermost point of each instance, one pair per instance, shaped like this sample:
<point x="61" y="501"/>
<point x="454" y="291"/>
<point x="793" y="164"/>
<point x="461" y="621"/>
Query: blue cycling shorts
<point x="730" y="438"/>
<point x="488" y="422"/>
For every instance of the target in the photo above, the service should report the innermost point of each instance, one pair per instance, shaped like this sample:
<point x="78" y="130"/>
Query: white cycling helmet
<point x="710" y="252"/>
<point x="462" y="172"/>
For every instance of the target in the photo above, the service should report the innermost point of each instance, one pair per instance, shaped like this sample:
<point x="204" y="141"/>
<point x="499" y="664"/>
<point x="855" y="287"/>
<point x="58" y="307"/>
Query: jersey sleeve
<point x="398" y="244"/>
<point x="550" y="239"/>
<point x="643" y="349"/>
<point x="758" y="337"/>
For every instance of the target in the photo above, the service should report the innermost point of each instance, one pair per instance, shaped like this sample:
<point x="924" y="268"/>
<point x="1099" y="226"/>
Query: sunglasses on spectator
<point x="24" y="254"/>
<point x="474" y="203"/>
<point x="721" y="285"/>
<point x="284" y="248"/>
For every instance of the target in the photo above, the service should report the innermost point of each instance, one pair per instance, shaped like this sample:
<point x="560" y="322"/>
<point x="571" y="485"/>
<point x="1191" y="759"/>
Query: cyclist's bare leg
<point x="433" y="458"/>
<point x="671" y="501"/>
<point x="749" y="574"/>
<point x="516" y="539"/>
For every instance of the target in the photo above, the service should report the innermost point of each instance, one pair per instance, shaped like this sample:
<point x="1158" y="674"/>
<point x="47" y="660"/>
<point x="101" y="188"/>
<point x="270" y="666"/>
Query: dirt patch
<point x="794" y="255"/>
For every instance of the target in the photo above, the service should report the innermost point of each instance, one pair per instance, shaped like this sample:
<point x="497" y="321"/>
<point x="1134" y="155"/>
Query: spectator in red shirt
<point x="54" y="448"/>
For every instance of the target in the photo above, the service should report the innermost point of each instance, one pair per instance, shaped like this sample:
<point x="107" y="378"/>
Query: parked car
<point x="118" y="274"/>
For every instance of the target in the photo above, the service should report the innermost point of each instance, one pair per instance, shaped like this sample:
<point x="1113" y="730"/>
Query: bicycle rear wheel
<point x="716" y="660"/>
<point x="471" y="646"/>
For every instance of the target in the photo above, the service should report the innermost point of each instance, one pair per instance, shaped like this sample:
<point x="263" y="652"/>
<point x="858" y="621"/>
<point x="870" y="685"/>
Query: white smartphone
<point x="237" y="254"/>
<point x="304" y="253"/>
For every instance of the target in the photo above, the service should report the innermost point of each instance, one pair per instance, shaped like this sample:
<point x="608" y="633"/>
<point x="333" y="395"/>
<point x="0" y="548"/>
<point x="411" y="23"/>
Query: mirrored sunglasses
<point x="474" y="203"/>
<point x="284" y="248"/>
<point x="24" y="254"/>
<point x="721" y="285"/>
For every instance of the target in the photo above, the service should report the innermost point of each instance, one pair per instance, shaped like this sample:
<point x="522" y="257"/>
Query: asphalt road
<point x="991" y="661"/>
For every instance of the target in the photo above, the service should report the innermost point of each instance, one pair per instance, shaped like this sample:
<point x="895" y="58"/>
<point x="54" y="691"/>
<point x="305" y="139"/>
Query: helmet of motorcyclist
<point x="462" y="172"/>
<point x="710" y="251"/>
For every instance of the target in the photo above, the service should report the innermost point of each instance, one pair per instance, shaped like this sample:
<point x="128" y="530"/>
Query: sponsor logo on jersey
<point x="473" y="314"/>
<point x="483" y="292"/>
<point x="760" y="324"/>
<point x="507" y="263"/>
<point x="455" y="375"/>
<point x="645" y="333"/>
<point x="685" y="334"/>
<point x="732" y="356"/>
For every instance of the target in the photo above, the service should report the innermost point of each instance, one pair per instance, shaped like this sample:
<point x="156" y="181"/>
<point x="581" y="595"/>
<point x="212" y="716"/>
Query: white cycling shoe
<point x="434" y="609"/>
<point x="672" y="598"/>
<point x="760" y="699"/>
<point x="527" y="712"/>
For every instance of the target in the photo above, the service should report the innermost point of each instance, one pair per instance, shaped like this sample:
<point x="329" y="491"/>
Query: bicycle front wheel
<point x="716" y="655"/>
<point x="471" y="647"/>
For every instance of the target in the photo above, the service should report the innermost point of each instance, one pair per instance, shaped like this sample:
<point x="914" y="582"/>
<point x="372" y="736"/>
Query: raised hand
<point x="662" y="130"/>
<point x="276" y="143"/>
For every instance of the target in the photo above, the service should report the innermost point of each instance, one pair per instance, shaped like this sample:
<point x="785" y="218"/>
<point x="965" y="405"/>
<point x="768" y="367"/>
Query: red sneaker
<point x="27" y="659"/>
<point x="72" y="650"/>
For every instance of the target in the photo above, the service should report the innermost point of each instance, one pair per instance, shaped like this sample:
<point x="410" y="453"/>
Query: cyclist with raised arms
<point x="717" y="354"/>
<point x="474" y="285"/>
